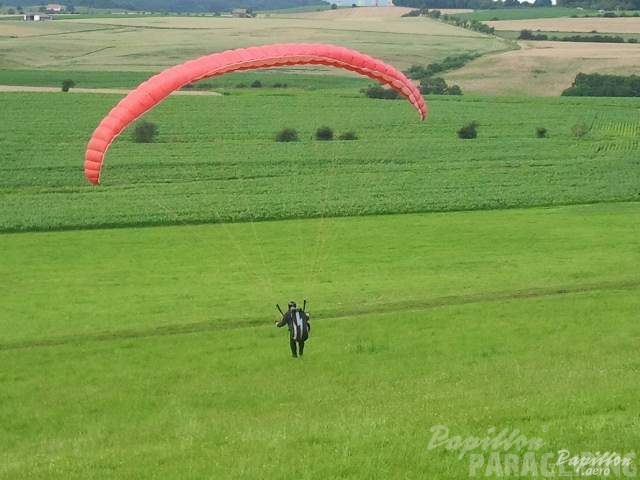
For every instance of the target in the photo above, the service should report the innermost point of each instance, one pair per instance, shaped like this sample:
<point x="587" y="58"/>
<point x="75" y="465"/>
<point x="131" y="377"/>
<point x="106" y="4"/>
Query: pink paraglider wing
<point x="151" y="92"/>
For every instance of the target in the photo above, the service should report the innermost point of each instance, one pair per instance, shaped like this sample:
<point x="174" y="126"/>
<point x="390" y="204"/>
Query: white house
<point x="35" y="17"/>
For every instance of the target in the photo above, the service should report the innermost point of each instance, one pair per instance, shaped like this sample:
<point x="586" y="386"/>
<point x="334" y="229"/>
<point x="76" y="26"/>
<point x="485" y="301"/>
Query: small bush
<point x="454" y="90"/>
<point x="67" y="84"/>
<point x="324" y="133"/>
<point x="377" y="91"/>
<point x="287" y="135"/>
<point x="241" y="85"/>
<point x="280" y="85"/>
<point x="144" y="132"/>
<point x="541" y="132"/>
<point x="412" y="13"/>
<point x="348" y="136"/>
<point x="256" y="84"/>
<point x="579" y="130"/>
<point x="469" y="130"/>
<point x="529" y="35"/>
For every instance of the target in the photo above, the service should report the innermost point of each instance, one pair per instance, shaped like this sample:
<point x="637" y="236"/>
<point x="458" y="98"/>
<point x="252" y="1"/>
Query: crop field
<point x="544" y="68"/>
<point x="118" y="52"/>
<point x="214" y="149"/>
<point x="365" y="14"/>
<point x="148" y="44"/>
<point x="308" y="79"/>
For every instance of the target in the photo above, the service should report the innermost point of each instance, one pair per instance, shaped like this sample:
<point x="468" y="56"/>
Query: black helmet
<point x="292" y="304"/>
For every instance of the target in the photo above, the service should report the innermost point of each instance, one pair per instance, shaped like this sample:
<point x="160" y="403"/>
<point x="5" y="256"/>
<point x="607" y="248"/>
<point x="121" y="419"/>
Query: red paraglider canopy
<point x="151" y="92"/>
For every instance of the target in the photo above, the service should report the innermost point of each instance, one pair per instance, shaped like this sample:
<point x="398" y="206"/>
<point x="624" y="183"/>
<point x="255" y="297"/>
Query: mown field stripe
<point x="345" y="313"/>
<point x="212" y="221"/>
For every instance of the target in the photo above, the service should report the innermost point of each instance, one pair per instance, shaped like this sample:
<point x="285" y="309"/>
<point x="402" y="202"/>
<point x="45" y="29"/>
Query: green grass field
<point x="149" y="352"/>
<point x="309" y="78"/>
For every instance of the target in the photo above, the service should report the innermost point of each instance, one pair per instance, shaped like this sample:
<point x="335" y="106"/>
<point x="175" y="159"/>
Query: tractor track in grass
<point x="444" y="301"/>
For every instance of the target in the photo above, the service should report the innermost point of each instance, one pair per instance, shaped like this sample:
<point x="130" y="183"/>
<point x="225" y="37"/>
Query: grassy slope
<point x="221" y="403"/>
<point x="111" y="280"/>
<point x="398" y="165"/>
<point x="147" y="44"/>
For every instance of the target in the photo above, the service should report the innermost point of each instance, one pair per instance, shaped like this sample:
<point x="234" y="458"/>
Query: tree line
<point x="599" y="85"/>
<point x="529" y="35"/>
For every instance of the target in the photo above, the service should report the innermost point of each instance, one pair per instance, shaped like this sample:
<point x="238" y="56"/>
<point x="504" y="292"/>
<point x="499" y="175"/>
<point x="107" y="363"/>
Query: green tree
<point x="433" y="86"/>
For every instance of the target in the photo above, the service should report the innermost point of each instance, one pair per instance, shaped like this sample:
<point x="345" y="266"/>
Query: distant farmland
<point x="544" y="68"/>
<point x="148" y="44"/>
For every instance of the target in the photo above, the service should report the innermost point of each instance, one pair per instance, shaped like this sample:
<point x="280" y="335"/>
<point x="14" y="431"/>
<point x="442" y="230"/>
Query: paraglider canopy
<point x="151" y="92"/>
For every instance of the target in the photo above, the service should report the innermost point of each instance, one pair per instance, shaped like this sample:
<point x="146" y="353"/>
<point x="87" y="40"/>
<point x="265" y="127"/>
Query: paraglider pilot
<point x="298" y="322"/>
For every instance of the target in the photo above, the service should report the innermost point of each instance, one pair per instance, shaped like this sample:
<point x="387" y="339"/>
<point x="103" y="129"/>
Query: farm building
<point x="35" y="17"/>
<point x="55" y="7"/>
<point x="241" y="13"/>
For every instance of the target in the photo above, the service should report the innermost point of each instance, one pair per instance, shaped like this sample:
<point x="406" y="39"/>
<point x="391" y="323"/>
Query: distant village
<point x="44" y="13"/>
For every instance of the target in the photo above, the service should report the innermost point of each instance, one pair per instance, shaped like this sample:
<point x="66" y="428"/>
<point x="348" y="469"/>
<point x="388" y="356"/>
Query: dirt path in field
<point x="427" y="304"/>
<point x="22" y="88"/>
